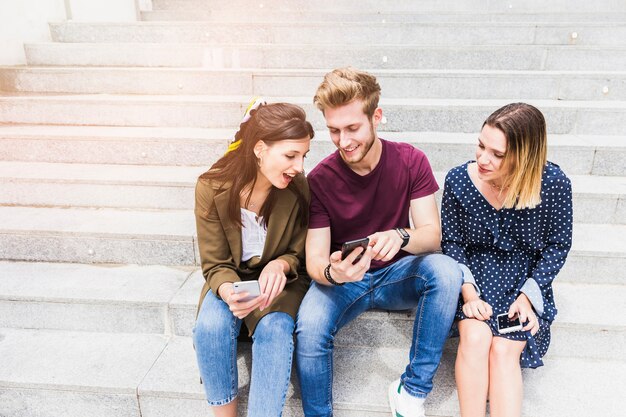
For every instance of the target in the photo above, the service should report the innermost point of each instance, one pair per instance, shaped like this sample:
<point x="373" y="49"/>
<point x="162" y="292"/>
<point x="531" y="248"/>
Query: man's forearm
<point x="424" y="239"/>
<point x="316" y="268"/>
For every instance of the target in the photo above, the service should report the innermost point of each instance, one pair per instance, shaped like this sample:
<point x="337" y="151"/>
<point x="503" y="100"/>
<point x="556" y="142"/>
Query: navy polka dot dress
<point x="506" y="252"/>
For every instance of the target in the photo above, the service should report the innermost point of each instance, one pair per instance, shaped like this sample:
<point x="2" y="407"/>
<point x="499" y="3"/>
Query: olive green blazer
<point x="219" y="242"/>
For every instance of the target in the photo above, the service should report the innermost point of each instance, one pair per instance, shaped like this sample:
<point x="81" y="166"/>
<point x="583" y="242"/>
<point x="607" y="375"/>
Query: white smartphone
<point x="507" y="325"/>
<point x="251" y="287"/>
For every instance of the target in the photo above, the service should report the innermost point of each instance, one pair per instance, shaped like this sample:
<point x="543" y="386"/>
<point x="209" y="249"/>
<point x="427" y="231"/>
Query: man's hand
<point x="238" y="308"/>
<point x="345" y="271"/>
<point x="385" y="245"/>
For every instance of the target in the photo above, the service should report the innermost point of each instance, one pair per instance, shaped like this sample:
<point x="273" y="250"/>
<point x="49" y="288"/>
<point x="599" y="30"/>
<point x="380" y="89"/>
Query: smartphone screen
<point x="251" y="287"/>
<point x="507" y="325"/>
<point x="348" y="247"/>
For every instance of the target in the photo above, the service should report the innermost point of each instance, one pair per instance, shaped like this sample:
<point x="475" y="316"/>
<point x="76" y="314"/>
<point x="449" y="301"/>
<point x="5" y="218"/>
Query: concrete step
<point x="264" y="14"/>
<point x="474" y="6"/>
<point x="315" y="56"/>
<point x="113" y="299"/>
<point x="163" y="300"/>
<point x="167" y="238"/>
<point x="170" y="187"/>
<point x="581" y="117"/>
<point x="98" y="235"/>
<point x="438" y="84"/>
<point x="593" y="306"/>
<point x="426" y="34"/>
<point x="131" y="375"/>
<point x="578" y="155"/>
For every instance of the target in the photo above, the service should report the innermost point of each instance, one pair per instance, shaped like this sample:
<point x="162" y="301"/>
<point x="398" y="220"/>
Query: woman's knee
<point x="214" y="321"/>
<point x="505" y="352"/>
<point x="275" y="327"/>
<point x="475" y="338"/>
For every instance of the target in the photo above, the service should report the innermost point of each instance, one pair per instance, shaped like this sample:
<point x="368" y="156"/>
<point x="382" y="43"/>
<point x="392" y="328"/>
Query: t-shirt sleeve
<point x="318" y="213"/>
<point x="423" y="180"/>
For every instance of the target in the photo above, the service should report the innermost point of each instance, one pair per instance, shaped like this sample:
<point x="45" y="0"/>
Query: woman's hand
<point x="237" y="307"/>
<point x="477" y="309"/>
<point x="524" y="308"/>
<point x="474" y="307"/>
<point x="272" y="280"/>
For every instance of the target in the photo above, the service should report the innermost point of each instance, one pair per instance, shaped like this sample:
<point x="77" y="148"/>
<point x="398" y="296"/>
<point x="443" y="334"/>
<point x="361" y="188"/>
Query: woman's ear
<point x="259" y="147"/>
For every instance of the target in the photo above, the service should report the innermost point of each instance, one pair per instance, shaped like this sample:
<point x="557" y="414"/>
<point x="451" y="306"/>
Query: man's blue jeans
<point x="431" y="283"/>
<point x="215" y="339"/>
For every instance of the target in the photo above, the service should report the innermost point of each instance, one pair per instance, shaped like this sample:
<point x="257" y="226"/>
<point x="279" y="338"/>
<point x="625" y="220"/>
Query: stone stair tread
<point x="406" y="33"/>
<point x="319" y="46"/>
<point x="66" y="282"/>
<point x="130" y="133"/>
<point x="164" y="224"/>
<point x="101" y="173"/>
<point x="588" y="238"/>
<point x="261" y="24"/>
<point x="243" y="100"/>
<point x="186" y="176"/>
<point x="78" y="361"/>
<point x="175" y="376"/>
<point x="160" y="370"/>
<point x="431" y="6"/>
<point x="161" y="300"/>
<point x="578" y="304"/>
<point x="133" y="133"/>
<point x="190" y="14"/>
<point x="313" y="71"/>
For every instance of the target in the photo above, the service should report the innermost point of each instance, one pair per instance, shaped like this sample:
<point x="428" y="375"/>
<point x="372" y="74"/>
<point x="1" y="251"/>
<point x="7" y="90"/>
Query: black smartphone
<point x="348" y="247"/>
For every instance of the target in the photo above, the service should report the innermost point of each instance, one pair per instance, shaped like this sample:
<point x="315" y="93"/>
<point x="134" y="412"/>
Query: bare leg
<point x="226" y="410"/>
<point x="472" y="367"/>
<point x="505" y="375"/>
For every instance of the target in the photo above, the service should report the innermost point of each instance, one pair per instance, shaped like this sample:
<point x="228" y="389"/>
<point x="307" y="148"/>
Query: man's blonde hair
<point x="344" y="85"/>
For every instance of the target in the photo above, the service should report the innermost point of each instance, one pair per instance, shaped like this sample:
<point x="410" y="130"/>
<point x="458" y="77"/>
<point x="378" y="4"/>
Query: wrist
<point x="282" y="264"/>
<point x="223" y="289"/>
<point x="404" y="235"/>
<point x="469" y="292"/>
<point x="329" y="277"/>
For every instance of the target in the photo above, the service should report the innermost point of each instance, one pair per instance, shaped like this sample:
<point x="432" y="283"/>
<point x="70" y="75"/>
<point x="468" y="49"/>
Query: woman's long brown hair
<point x="270" y="123"/>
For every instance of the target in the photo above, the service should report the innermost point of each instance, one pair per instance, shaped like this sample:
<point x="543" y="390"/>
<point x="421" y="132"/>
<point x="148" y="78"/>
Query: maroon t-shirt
<point x="355" y="206"/>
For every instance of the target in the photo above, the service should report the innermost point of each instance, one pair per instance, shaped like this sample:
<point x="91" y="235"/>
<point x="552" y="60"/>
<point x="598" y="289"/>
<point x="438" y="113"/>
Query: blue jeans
<point x="431" y="283"/>
<point x="215" y="339"/>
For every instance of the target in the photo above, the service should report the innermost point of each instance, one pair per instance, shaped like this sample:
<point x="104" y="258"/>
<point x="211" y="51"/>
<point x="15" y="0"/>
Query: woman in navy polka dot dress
<point x="507" y="220"/>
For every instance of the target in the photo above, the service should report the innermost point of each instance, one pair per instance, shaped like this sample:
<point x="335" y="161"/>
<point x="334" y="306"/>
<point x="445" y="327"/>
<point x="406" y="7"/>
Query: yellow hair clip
<point x="254" y="104"/>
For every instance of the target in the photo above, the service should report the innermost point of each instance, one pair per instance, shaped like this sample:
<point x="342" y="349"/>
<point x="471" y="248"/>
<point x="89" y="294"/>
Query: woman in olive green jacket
<point x="251" y="216"/>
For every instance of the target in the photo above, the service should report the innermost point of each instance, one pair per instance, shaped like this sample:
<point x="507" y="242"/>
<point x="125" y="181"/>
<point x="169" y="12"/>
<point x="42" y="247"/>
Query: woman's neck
<point x="253" y="198"/>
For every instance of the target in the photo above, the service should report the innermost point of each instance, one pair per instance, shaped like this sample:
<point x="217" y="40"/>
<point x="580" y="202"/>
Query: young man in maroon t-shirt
<point x="368" y="188"/>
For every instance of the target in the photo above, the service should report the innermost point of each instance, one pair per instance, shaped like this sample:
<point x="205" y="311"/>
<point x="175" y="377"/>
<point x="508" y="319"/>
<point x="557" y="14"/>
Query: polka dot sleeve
<point x="559" y="239"/>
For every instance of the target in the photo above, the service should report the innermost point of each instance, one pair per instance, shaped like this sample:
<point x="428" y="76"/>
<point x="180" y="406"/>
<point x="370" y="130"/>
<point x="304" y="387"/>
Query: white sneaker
<point x="404" y="404"/>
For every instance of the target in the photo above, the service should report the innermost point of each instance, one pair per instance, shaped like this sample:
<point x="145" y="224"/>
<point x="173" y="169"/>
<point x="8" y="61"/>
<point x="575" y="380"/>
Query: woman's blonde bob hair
<point x="524" y="127"/>
<point x="344" y="85"/>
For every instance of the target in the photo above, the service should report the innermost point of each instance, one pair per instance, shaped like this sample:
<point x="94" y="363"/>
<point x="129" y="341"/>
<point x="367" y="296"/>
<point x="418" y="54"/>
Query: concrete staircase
<point x="103" y="133"/>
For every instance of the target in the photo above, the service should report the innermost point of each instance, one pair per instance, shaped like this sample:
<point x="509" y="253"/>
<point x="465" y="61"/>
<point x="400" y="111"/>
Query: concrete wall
<point x="24" y="21"/>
